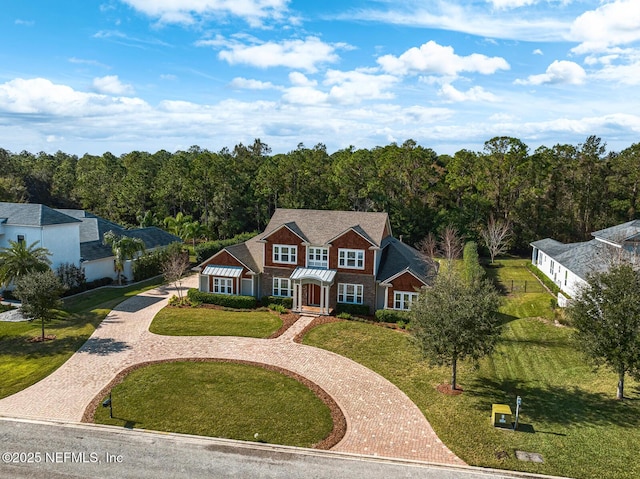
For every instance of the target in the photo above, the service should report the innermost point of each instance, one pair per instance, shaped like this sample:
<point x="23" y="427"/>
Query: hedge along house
<point x="322" y="259"/>
<point x="568" y="265"/>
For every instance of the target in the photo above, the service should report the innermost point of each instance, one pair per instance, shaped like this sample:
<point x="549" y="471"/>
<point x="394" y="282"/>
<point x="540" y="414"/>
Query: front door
<point x="313" y="295"/>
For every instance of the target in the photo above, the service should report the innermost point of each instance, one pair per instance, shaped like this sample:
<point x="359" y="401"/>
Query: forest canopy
<point x="563" y="191"/>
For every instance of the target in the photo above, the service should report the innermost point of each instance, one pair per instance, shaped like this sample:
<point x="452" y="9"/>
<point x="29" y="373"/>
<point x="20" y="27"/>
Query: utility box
<point x="501" y="415"/>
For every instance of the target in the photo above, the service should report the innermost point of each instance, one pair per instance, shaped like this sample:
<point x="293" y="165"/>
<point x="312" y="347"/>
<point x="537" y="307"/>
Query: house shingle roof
<point x="321" y="226"/>
<point x="618" y="234"/>
<point x="579" y="258"/>
<point x="398" y="257"/>
<point x="29" y="214"/>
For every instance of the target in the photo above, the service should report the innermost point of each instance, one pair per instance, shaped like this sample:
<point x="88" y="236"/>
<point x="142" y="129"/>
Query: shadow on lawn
<point x="555" y="404"/>
<point x="19" y="346"/>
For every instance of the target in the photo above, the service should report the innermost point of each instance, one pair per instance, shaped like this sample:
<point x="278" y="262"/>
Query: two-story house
<point x="320" y="259"/>
<point x="72" y="236"/>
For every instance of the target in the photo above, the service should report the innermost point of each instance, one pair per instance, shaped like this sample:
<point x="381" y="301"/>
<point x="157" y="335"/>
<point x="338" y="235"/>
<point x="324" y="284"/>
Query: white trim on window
<point x="284" y="253"/>
<point x="317" y="257"/>
<point x="351" y="258"/>
<point x="223" y="285"/>
<point x="282" y="287"/>
<point x="402" y="300"/>
<point x="350" y="293"/>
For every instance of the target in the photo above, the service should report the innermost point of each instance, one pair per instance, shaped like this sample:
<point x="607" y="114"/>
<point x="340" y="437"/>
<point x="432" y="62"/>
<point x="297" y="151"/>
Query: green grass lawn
<point x="227" y="400"/>
<point x="214" y="322"/>
<point x="23" y="363"/>
<point x="569" y="413"/>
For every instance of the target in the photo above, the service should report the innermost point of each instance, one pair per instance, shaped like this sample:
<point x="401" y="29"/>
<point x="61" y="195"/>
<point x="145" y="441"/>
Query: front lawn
<point x="569" y="412"/>
<point x="228" y="400"/>
<point x="23" y="363"/>
<point x="174" y="321"/>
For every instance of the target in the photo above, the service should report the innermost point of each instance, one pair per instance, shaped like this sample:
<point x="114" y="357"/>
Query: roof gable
<point x="619" y="234"/>
<point x="319" y="227"/>
<point x="399" y="258"/>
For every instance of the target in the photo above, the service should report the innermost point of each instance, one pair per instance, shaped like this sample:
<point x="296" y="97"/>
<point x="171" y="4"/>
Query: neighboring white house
<point x="73" y="236"/>
<point x="568" y="265"/>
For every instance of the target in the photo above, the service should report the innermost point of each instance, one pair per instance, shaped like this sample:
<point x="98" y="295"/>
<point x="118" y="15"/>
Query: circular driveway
<point x="381" y="419"/>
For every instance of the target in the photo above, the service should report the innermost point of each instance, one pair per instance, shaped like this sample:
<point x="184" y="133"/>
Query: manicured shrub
<point x="353" y="309"/>
<point x="227" y="301"/>
<point x="391" y="316"/>
<point x="283" y="301"/>
<point x="72" y="277"/>
<point x="472" y="269"/>
<point x="150" y="264"/>
<point x="343" y="316"/>
<point x="206" y="250"/>
<point x="278" y="308"/>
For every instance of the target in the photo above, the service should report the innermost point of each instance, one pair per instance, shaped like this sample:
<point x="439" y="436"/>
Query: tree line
<point x="564" y="191"/>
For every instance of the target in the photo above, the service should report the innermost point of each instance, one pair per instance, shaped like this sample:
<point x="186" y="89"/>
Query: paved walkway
<point x="381" y="420"/>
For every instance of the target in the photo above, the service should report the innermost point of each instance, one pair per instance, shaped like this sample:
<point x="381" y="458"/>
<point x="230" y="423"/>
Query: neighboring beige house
<point x="320" y="259"/>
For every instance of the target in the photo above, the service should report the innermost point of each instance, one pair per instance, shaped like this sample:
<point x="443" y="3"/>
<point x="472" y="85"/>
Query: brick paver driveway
<point x="381" y="420"/>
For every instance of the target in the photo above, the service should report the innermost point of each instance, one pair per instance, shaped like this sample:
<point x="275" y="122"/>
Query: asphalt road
<point x="39" y="449"/>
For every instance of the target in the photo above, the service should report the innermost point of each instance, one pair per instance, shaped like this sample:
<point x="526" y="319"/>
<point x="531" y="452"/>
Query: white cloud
<point x="471" y="18"/>
<point x="437" y="59"/>
<point x="41" y="96"/>
<point x="95" y="63"/>
<point x="559" y="72"/>
<point x="304" y="95"/>
<point x="300" y="79"/>
<point x="614" y="23"/>
<point x="188" y="11"/>
<point x="25" y="23"/>
<point x="476" y="93"/>
<point x="512" y="3"/>
<point x="249" y="84"/>
<point x="355" y="86"/>
<point x="537" y="51"/>
<point x="304" y="54"/>
<point x="111" y="85"/>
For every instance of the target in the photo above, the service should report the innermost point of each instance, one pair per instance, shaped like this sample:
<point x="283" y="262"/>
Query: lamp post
<point x="107" y="403"/>
<point x="518" y="403"/>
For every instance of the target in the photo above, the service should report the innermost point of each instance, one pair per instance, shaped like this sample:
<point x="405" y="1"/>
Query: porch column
<point x="327" y="299"/>
<point x="295" y="295"/>
<point x="321" y="298"/>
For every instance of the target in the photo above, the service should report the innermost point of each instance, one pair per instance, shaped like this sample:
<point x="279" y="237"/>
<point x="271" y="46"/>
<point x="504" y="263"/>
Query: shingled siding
<point x="351" y="240"/>
<point x="368" y="288"/>
<point x="404" y="282"/>
<point x="284" y="236"/>
<point x="268" y="275"/>
<point x="223" y="258"/>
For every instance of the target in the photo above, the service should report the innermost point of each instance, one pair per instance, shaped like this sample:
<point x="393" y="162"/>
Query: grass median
<point x="234" y="401"/>
<point x="176" y="321"/>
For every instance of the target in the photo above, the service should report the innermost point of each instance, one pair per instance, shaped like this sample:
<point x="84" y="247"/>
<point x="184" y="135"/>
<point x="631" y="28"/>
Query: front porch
<point x="311" y="290"/>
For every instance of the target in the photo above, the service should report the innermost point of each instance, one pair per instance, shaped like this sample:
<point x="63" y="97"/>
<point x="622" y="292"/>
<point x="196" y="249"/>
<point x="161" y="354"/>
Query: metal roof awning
<point x="322" y="275"/>
<point x="223" y="271"/>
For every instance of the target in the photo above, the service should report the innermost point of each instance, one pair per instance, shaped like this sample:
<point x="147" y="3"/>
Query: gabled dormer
<point x="284" y="246"/>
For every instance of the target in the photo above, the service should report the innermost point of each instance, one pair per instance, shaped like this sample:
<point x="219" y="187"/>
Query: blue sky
<point x="124" y="75"/>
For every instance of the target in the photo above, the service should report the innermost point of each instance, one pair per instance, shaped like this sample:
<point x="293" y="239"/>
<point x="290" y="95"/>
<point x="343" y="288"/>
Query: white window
<point x="223" y="285"/>
<point x="282" y="287"/>
<point x="552" y="266"/>
<point x="317" y="257"/>
<point x="351" y="258"/>
<point x="403" y="299"/>
<point x="285" y="254"/>
<point x="349" y="293"/>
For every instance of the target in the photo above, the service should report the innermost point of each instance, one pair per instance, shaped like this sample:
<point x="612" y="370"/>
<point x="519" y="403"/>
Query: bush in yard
<point x="278" y="308"/>
<point x="353" y="309"/>
<point x="281" y="300"/>
<point x="72" y="277"/>
<point x="391" y="316"/>
<point x="343" y="316"/>
<point x="225" y="300"/>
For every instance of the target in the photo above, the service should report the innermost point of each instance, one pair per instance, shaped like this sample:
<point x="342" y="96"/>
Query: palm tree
<point x="19" y="259"/>
<point x="123" y="248"/>
<point x="176" y="225"/>
<point x="193" y="230"/>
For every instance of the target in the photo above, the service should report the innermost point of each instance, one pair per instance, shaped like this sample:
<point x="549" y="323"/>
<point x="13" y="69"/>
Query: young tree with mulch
<point x="40" y="294"/>
<point x="456" y="319"/>
<point x="174" y="268"/>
